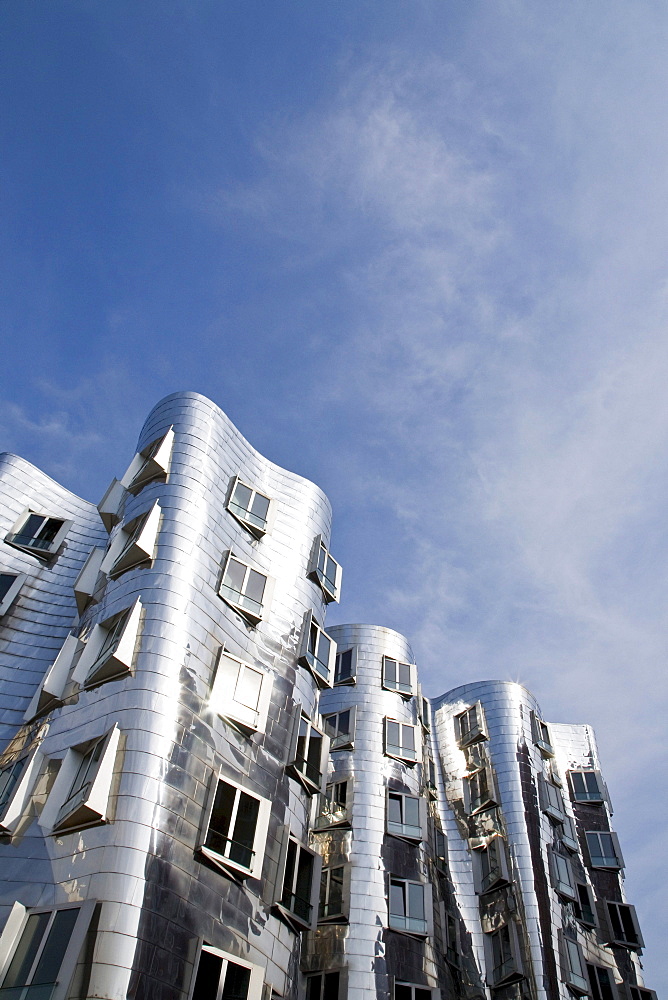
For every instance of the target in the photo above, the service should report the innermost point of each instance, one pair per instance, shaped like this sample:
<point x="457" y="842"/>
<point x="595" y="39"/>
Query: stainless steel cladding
<point x="205" y="794"/>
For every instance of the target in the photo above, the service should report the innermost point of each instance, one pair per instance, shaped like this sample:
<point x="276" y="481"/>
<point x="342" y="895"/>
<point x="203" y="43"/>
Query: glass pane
<point x="303" y="884"/>
<point x="237" y="981"/>
<point x="260" y="506"/>
<point x="234" y="575"/>
<point x="55" y="947"/>
<point x="248" y="688"/>
<point x="402" y="992"/>
<point x="411" y="811"/>
<point x="30" y="529"/>
<point x="408" y="741"/>
<point x="6" y="580"/>
<point x="390" y="672"/>
<point x="9" y="778"/>
<point x="24" y="956"/>
<point x="208" y="977"/>
<point x="344" y="723"/>
<point x="242" y="496"/>
<point x="314" y="987"/>
<point x="394" y="810"/>
<point x="331" y="990"/>
<point x="255" y="585"/>
<point x="221" y="817"/>
<point x="344" y="665"/>
<point x="404" y="676"/>
<point x="245" y="824"/>
<point x="335" y="902"/>
<point x="397" y="899"/>
<point x="416" y="901"/>
<point x="393" y="734"/>
<point x="422" y="994"/>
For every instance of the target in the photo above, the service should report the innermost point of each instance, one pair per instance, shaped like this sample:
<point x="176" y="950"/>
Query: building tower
<point x="206" y="795"/>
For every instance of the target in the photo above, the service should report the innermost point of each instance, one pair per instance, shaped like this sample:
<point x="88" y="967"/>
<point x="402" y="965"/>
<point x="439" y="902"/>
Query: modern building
<point x="206" y="795"/>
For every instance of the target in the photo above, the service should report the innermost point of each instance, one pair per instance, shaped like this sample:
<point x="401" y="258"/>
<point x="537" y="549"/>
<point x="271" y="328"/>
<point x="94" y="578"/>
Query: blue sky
<point x="417" y="252"/>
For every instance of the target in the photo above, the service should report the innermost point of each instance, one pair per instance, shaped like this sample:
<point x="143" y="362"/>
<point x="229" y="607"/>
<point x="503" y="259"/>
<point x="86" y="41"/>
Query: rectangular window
<point x="244" y="588"/>
<point x="407" y="991"/>
<point x="575" y="974"/>
<point x="308" y="753"/>
<point x="551" y="799"/>
<point x="249" y="507"/>
<point x="83" y="785"/>
<point x="490" y="866"/>
<point x="451" y="934"/>
<point x="541" y="736"/>
<point x="9" y="778"/>
<point x="344" y="669"/>
<point x="325" y="986"/>
<point x="325" y="570"/>
<point x="10" y="585"/>
<point x="425" y="717"/>
<point x="479" y="789"/>
<point x="568" y="834"/>
<point x="640" y="993"/>
<point x="221" y="976"/>
<point x="587" y="786"/>
<point x="470" y="726"/>
<point x="333" y="903"/>
<point x="562" y="876"/>
<point x="236" y="829"/>
<point x="340" y="728"/>
<point x="407" y="911"/>
<point x="604" y="851"/>
<point x="406" y="815"/>
<point x="317" y="651"/>
<point x="149" y="464"/>
<point x="334" y="807"/>
<point x="624" y="927"/>
<point x="583" y="905"/>
<point x="109" y="651"/>
<point x="401" y="741"/>
<point x="502" y="950"/>
<point x="134" y="544"/>
<point x="440" y="850"/>
<point x="398" y="676"/>
<point x="38" y="534"/>
<point x="241" y="693"/>
<point x="601" y="983"/>
<point x="301" y="879"/>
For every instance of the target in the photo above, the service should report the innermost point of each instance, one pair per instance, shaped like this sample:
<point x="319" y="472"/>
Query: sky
<point x="418" y="252"/>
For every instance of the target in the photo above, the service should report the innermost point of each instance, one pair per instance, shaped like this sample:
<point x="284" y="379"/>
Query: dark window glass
<point x="344" y="666"/>
<point x="208" y="976"/>
<point x="237" y="981"/>
<point x="54" y="949"/>
<point x="6" y="581"/>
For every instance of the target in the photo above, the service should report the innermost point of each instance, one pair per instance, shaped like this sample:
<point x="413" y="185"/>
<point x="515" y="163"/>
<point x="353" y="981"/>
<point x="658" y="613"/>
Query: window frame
<point x="27" y="765"/>
<point x="12" y="591"/>
<point x="588" y="798"/>
<point x="390" y="749"/>
<point x="512" y="968"/>
<point x="310" y="659"/>
<point x="478" y="803"/>
<point x="256" y="982"/>
<point x="341" y="986"/>
<point x="331" y="590"/>
<point x="540" y="734"/>
<point x="412" y="987"/>
<point x="222" y="700"/>
<point x="410" y="687"/>
<point x="551" y="799"/>
<point x="598" y="860"/>
<point x="86" y="582"/>
<point x="337" y="681"/>
<point x="452" y="943"/>
<point x="597" y="990"/>
<point x="297" y="765"/>
<point x="568" y="834"/>
<point x="256" y="530"/>
<point x="44" y="554"/>
<point x="227" y="865"/>
<point x="475" y="734"/>
<point x="296" y="920"/>
<point x="394" y="919"/>
<point x="585" y="911"/>
<point x="344" y="741"/>
<point x="134" y="543"/>
<point x="342" y="914"/>
<point x="109" y="652"/>
<point x="329" y="812"/>
<point x="251" y="615"/>
<point x="636" y="992"/>
<point x="66" y="811"/>
<point x="151" y="463"/>
<point x="409" y="831"/>
<point x="576" y="979"/>
<point x="50" y="693"/>
<point x="560" y="867"/>
<point x="639" y="943"/>
<point x="15" y="925"/>
<point x="498" y="873"/>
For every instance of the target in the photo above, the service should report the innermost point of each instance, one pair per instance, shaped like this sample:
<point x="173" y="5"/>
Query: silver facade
<point x="215" y="807"/>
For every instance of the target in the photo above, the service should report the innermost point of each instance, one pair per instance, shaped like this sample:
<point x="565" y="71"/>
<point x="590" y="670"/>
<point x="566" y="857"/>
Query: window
<point x="340" y="728"/>
<point x="406" y="815"/>
<point x="541" y="736"/>
<point x="601" y="983"/>
<point x="423" y="707"/>
<point x="225" y="977"/>
<point x="587" y="786"/>
<point x="453" y="951"/>
<point x="440" y="851"/>
<point x="583" y="905"/>
<point x="430" y="777"/>
<point x="245" y="589"/>
<point x="236" y="829"/>
<point x="308" y="753"/>
<point x="82" y="788"/>
<point x="551" y="800"/>
<point x="17" y="778"/>
<point x="326" y="986"/>
<point x="490" y="866"/>
<point x="470" y="725"/>
<point x="575" y="975"/>
<point x="638" y="993"/>
<point x="345" y="664"/>
<point x="604" y="851"/>
<point x="42" y="948"/>
<point x="10" y="584"/>
<point x="38" y="534"/>
<point x="406" y="991"/>
<point x="50" y="693"/>
<point x="249" y="507"/>
<point x="502" y="952"/>
<point x="334" y="807"/>
<point x="300" y="883"/>
<point x="568" y="834"/>
<point x="400" y="741"/>
<point x="479" y="790"/>
<point x="241" y="692"/>
<point x="151" y="463"/>
<point x="325" y="570"/>
<point x="333" y="903"/>
<point x="563" y="879"/>
<point x="624" y="927"/>
<point x="408" y="906"/>
<point x="133" y="544"/>
<point x="400" y="677"/>
<point x="317" y="651"/>
<point x="109" y="651"/>
<point x="109" y="507"/>
<point x="86" y="582"/>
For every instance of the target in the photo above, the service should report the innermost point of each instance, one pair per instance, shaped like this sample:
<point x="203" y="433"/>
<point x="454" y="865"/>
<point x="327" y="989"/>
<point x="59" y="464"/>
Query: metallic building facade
<point x="207" y="795"/>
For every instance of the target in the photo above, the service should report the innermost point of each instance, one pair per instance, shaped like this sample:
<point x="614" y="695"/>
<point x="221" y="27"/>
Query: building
<point x="206" y="795"/>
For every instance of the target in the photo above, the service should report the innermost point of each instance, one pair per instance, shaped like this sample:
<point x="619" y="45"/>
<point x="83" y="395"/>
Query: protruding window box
<point x="298" y="883"/>
<point x="241" y="693"/>
<point x="133" y="546"/>
<point x="109" y="507"/>
<point x="109" y="651"/>
<point x="334" y="807"/>
<point x="328" y="985"/>
<point x="340" y="727"/>
<point x="587" y="786"/>
<point x="38" y="534"/>
<point x="551" y="800"/>
<point x="584" y="906"/>
<point x="81" y="792"/>
<point x="345" y="666"/>
<point x="409" y="906"/>
<point x="479" y="790"/>
<point x="317" y="651"/>
<point x="252" y="509"/>
<point x="334" y="902"/>
<point x="235" y="829"/>
<point x="573" y="966"/>
<point x="308" y="753"/>
<point x="325" y="570"/>
<point x="490" y="865"/>
<point x="10" y="585"/>
<point x="406" y="816"/>
<point x="504" y="958"/>
<point x="149" y="464"/>
<point x="245" y="589"/>
<point x="470" y="726"/>
<point x="401" y="741"/>
<point x="563" y="878"/>
<point x="221" y="976"/>
<point x="541" y="736"/>
<point x="604" y="850"/>
<point x="85" y="584"/>
<point x="49" y="694"/>
<point x="17" y="780"/>
<point x="399" y="677"/>
<point x="624" y="928"/>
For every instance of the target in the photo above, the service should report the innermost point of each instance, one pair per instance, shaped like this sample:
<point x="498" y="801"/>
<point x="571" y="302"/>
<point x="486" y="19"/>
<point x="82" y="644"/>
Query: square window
<point x="408" y="906"/>
<point x="334" y="894"/>
<point x="236" y="829"/>
<point x="221" y="976"/>
<point x="250" y="507"/>
<point x="326" y="986"/>
<point x="149" y="464"/>
<point x="299" y="881"/>
<point x="345" y="666"/>
<point x="325" y="570"/>
<point x="399" y="677"/>
<point x="109" y="651"/>
<point x="317" y="651"/>
<point x="80" y="794"/>
<point x="10" y="585"/>
<point x="587" y="786"/>
<point x="401" y="741"/>
<point x="406" y="816"/>
<point x="604" y="850"/>
<point x="470" y="725"/>
<point x="340" y="727"/>
<point x="245" y="589"/>
<point x="334" y="807"/>
<point x="308" y="753"/>
<point x="624" y="927"/>
<point x="38" y="534"/>
<point x="241" y="692"/>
